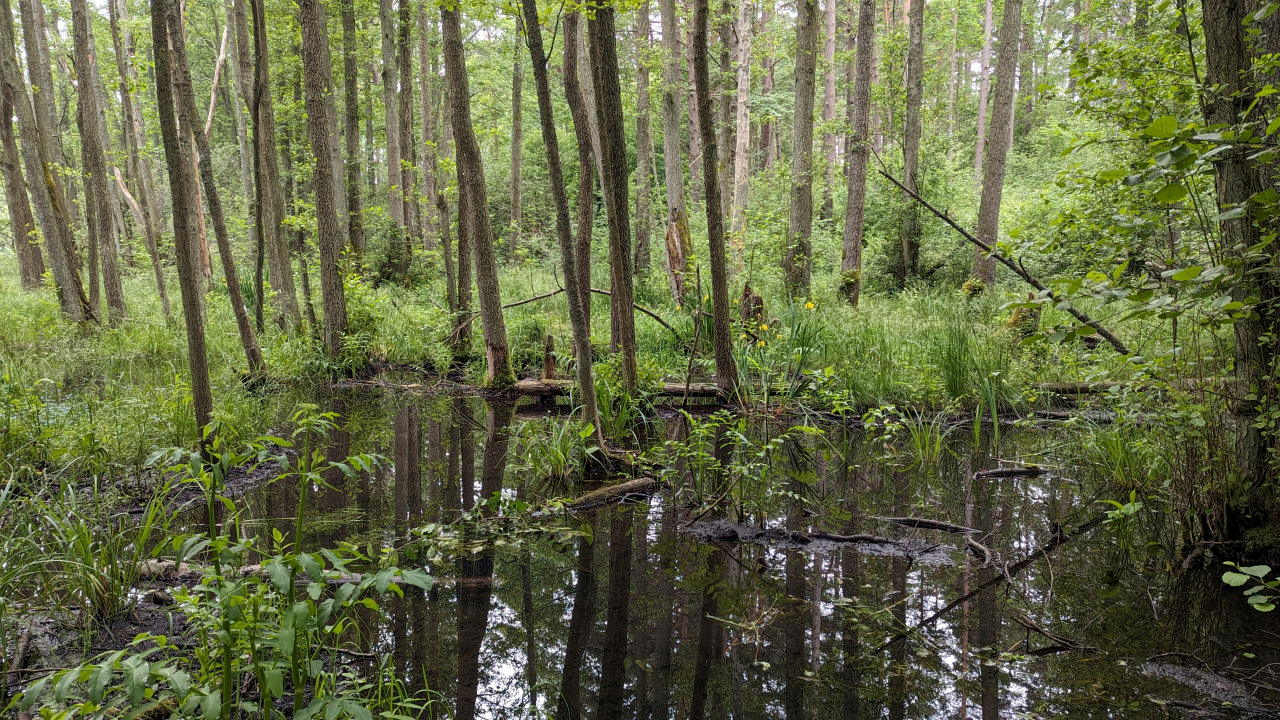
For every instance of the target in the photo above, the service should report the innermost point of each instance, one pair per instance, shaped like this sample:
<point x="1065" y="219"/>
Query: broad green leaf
<point x="1234" y="579"/>
<point x="1171" y="193"/>
<point x="1163" y="127"/>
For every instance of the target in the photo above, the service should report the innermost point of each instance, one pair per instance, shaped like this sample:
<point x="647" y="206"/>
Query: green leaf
<point x="1171" y="193"/>
<point x="1234" y="579"/>
<point x="211" y="706"/>
<point x="274" y="678"/>
<point x="1186" y="274"/>
<point x="1257" y="571"/>
<point x="284" y="640"/>
<point x="1163" y="127"/>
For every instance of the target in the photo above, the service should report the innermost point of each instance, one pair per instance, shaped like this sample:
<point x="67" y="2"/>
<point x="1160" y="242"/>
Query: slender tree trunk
<point x="45" y="186"/>
<point x="316" y="84"/>
<point x="998" y="140"/>
<point x="984" y="86"/>
<point x="581" y="117"/>
<point x="726" y="372"/>
<point x="581" y="618"/>
<point x="269" y="204"/>
<point x="827" y="206"/>
<point x="677" y="243"/>
<point x="186" y="107"/>
<point x="909" y="221"/>
<point x="617" y="611"/>
<point x="644" y="144"/>
<point x="857" y="145"/>
<point x="724" y="85"/>
<point x="404" y="117"/>
<point x="178" y="161"/>
<point x="22" y="222"/>
<point x="237" y="91"/>
<point x="351" y="130"/>
<point x="742" y="119"/>
<point x="798" y="254"/>
<point x="430" y="142"/>
<point x="391" y="109"/>
<point x="474" y="208"/>
<point x="769" y="129"/>
<point x="517" y="143"/>
<point x="613" y="149"/>
<point x="564" y="234"/>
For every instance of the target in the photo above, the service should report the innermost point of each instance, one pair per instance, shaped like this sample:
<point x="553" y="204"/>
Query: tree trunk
<point x="677" y="233"/>
<point x="953" y="76"/>
<point x="769" y="128"/>
<point x="316" y="84"/>
<point x="581" y="117"/>
<point x="351" y="129"/>
<point x="564" y="234"/>
<point x="613" y="151"/>
<point x="726" y="372"/>
<point x="92" y="131"/>
<point x="644" y="145"/>
<point x="186" y="107"/>
<point x="22" y="223"/>
<point x="581" y="618"/>
<point x="517" y="144"/>
<point x="742" y="119"/>
<point x="45" y="187"/>
<point x="404" y="116"/>
<point x="984" y="86"/>
<point x="617" y="610"/>
<point x="430" y="142"/>
<point x="237" y="91"/>
<point x="177" y="153"/>
<point x="998" y="140"/>
<point x="391" y="109"/>
<point x="857" y="145"/>
<point x="724" y="104"/>
<point x="269" y="204"/>
<point x="827" y="206"/>
<point x="473" y="209"/>
<point x="908" y="264"/>
<point x="797" y="259"/>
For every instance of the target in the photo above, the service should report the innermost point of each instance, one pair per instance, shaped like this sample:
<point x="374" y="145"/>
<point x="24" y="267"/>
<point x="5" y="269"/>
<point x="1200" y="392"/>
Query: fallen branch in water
<point x="1017" y="268"/>
<point x="1059" y="539"/>
<point x="927" y="524"/>
<point x="1029" y="471"/>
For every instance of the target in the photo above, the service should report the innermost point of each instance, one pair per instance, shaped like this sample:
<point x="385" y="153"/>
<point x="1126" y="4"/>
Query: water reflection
<point x="639" y="618"/>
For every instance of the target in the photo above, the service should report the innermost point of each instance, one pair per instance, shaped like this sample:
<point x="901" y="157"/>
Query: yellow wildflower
<point x="764" y="326"/>
<point x="759" y="343"/>
<point x="809" y="305"/>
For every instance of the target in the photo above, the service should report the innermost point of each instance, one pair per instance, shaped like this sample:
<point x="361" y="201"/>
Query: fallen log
<point x="611" y="494"/>
<point x="1028" y="471"/>
<point x="927" y="524"/>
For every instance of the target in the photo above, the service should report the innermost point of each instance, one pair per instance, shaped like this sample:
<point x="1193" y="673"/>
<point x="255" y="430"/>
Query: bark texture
<point x="857" y="145"/>
<point x="797" y="257"/>
<point x="999" y="138"/>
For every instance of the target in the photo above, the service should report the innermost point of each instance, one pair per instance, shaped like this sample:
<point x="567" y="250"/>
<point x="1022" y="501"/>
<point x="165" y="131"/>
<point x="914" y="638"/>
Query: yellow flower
<point x="764" y="326"/>
<point x="743" y="336"/>
<point x="759" y="343"/>
<point x="809" y="305"/>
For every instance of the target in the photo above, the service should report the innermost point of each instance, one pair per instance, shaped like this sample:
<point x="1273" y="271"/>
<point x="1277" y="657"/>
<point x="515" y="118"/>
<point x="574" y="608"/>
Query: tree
<point x="999" y="138"/>
<point x="316" y="86"/>
<point x="984" y="85"/>
<point x="473" y="214"/>
<point x="856" y="144"/>
<point x="726" y="372"/>
<point x="742" y="120"/>
<point x="677" y="233"/>
<point x="391" y="110"/>
<point x="45" y="188"/>
<point x="827" y="205"/>
<point x="613" y="153"/>
<point x="351" y="129"/>
<point x="517" y="140"/>
<point x="582" y="132"/>
<point x="177" y="152"/>
<point x="644" y="144"/>
<point x="266" y="169"/>
<point x="564" y="234"/>
<point x="797" y="257"/>
<point x="186" y="107"/>
<point x="908" y="263"/>
<point x="21" y="222"/>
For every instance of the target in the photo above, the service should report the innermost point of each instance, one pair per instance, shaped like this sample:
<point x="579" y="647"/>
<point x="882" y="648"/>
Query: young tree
<point x="827" y="206"/>
<point x="564" y="234"/>
<point x="186" y="107"/>
<point x="473" y="204"/>
<point x="726" y="372"/>
<point x="984" y="85"/>
<point x="268" y="201"/>
<point x="177" y="152"/>
<point x="677" y="232"/>
<point x="316" y="86"/>
<point x="644" y="144"/>
<point x="408" y="157"/>
<point x="89" y="118"/>
<point x="351" y="129"/>
<point x="582" y="132"/>
<point x="999" y="138"/>
<point x="517" y="139"/>
<point x="391" y="110"/>
<point x="908" y="264"/>
<point x="856" y="144"/>
<point x="613" y="151"/>
<point x="22" y="223"/>
<point x="742" y="120"/>
<point x="797" y="259"/>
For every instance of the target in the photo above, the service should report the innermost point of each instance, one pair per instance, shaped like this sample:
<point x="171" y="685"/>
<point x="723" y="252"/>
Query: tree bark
<point x="644" y="144"/>
<point x="186" y="107"/>
<point x="427" y="155"/>
<point x="564" y="234"/>
<point x="351" y="129"/>
<point x="984" y="86"/>
<point x="798" y="254"/>
<point x="517" y="143"/>
<point x="473" y="206"/>
<point x="617" y="611"/>
<point x="677" y="232"/>
<point x="857" y="145"/>
<point x="404" y="117"/>
<point x="22" y="222"/>
<point x="316" y="84"/>
<point x="269" y="204"/>
<point x="998" y="140"/>
<point x="827" y="206"/>
<point x="177" y="151"/>
<point x="908" y="262"/>
<point x="391" y="110"/>
<point x="581" y="117"/>
<point x="726" y="372"/>
<point x="613" y="151"/>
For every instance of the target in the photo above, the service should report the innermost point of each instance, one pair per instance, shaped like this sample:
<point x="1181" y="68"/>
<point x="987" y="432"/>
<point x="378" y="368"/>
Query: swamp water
<point x="774" y="587"/>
